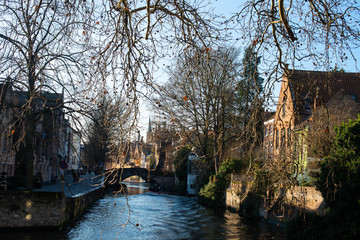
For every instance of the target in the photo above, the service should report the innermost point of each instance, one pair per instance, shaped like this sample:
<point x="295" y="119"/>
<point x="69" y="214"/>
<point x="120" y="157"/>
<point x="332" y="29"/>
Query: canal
<point x="147" y="215"/>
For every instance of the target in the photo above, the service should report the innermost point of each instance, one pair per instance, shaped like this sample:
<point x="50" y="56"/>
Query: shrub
<point x="339" y="183"/>
<point x="213" y="192"/>
<point x="339" y="180"/>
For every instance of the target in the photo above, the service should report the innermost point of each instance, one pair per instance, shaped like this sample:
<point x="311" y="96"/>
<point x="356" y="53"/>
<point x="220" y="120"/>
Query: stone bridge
<point x="144" y="173"/>
<point x="165" y="181"/>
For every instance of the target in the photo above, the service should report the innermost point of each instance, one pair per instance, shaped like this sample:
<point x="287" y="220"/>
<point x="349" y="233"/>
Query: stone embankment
<point x="50" y="206"/>
<point x="281" y="207"/>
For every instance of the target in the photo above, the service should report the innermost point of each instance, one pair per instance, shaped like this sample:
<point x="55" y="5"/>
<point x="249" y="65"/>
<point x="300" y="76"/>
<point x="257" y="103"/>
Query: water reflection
<point x="147" y="215"/>
<point x="162" y="216"/>
<point x="136" y="187"/>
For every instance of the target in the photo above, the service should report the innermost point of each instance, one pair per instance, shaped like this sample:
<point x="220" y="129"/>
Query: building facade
<point x="161" y="138"/>
<point x="52" y="138"/>
<point x="303" y="95"/>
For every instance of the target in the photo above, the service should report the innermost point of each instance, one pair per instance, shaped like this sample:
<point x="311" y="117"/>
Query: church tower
<point x="149" y="134"/>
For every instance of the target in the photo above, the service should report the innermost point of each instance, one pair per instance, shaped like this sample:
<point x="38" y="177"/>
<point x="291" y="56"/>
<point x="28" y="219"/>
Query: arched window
<point x="283" y="106"/>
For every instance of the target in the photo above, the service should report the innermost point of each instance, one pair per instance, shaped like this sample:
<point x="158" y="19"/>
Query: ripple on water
<point x="162" y="216"/>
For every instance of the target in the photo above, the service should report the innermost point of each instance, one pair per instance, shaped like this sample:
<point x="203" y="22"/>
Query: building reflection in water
<point x="135" y="185"/>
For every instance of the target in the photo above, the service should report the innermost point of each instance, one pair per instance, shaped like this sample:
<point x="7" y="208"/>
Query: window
<point x="266" y="148"/>
<point x="288" y="136"/>
<point x="271" y="149"/>
<point x="283" y="137"/>
<point x="284" y="106"/>
<point x="4" y="145"/>
<point x="277" y="139"/>
<point x="266" y="130"/>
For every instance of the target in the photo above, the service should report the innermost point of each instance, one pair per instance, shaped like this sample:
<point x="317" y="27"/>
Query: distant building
<point x="128" y="154"/>
<point x="160" y="138"/>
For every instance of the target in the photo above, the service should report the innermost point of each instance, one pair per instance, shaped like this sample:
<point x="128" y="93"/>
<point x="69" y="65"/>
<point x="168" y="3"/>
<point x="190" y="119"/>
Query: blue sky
<point x="221" y="7"/>
<point x="227" y="8"/>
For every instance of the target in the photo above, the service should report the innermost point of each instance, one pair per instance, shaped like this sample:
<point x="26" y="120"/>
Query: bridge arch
<point x="141" y="172"/>
<point x="166" y="182"/>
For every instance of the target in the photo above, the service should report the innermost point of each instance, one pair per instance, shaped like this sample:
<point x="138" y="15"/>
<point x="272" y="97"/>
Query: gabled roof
<point x="19" y="98"/>
<point x="309" y="86"/>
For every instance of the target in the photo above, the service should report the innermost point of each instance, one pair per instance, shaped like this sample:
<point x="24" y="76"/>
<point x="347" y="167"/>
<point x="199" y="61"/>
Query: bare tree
<point x="321" y="132"/>
<point x="303" y="34"/>
<point x="43" y="48"/>
<point x="106" y="131"/>
<point x="146" y="34"/>
<point x="198" y="98"/>
<point x="323" y="33"/>
<point x="248" y="104"/>
<point x="63" y="45"/>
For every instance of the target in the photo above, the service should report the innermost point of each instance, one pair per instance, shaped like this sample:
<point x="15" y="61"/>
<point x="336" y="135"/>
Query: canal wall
<point x="283" y="206"/>
<point x="166" y="183"/>
<point x="77" y="204"/>
<point x="25" y="209"/>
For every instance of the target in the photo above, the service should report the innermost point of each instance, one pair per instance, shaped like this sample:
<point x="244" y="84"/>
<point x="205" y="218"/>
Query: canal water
<point x="147" y="215"/>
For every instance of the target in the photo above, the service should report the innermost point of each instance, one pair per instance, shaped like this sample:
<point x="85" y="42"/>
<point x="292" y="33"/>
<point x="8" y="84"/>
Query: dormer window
<point x="283" y="137"/>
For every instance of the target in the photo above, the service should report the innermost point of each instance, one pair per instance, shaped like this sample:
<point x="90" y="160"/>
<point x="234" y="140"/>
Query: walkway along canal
<point x="147" y="215"/>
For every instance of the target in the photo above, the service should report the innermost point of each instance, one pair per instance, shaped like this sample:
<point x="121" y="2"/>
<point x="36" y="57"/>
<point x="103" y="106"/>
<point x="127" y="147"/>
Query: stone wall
<point x="236" y="194"/>
<point x="232" y="199"/>
<point x="297" y="199"/>
<point x="307" y="198"/>
<point x="76" y="205"/>
<point x="42" y="209"/>
<point x="240" y="185"/>
<point x="32" y="209"/>
<point x="167" y="183"/>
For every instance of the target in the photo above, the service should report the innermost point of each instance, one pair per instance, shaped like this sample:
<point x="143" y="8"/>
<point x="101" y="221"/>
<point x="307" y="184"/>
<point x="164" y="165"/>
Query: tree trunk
<point x="29" y="148"/>
<point x="30" y="122"/>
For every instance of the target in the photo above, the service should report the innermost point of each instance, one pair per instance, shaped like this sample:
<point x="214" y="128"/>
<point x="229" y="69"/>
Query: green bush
<point x="339" y="180"/>
<point x="339" y="184"/>
<point x="213" y="192"/>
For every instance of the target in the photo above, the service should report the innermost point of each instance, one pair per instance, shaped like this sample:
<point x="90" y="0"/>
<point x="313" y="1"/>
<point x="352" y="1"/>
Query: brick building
<point x="160" y="140"/>
<point x="302" y="94"/>
<point x="53" y="135"/>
